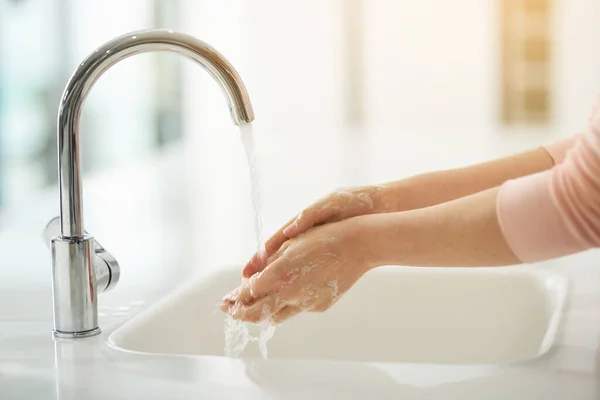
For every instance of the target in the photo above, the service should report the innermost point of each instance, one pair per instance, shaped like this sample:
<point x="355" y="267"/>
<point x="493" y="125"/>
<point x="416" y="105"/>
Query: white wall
<point x="431" y="65"/>
<point x="431" y="73"/>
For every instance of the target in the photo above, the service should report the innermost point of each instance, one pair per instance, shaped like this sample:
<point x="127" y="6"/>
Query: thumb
<point x="256" y="264"/>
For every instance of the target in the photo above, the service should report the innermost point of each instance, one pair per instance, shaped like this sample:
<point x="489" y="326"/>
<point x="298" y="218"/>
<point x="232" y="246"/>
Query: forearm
<point x="442" y="186"/>
<point x="461" y="233"/>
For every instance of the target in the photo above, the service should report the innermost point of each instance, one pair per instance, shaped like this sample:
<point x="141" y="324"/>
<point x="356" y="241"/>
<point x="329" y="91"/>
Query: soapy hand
<point x="337" y="206"/>
<point x="307" y="273"/>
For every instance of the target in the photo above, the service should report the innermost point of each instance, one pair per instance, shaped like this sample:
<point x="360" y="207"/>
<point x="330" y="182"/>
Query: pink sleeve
<point x="556" y="212"/>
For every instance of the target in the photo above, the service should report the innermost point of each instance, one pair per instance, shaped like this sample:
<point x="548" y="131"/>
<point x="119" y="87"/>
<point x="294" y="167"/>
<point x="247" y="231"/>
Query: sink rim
<point x="557" y="287"/>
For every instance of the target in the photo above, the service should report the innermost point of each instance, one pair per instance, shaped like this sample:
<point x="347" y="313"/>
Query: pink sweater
<point x="556" y="212"/>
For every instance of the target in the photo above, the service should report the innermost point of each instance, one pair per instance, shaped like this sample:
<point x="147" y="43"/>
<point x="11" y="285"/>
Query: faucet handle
<point x="106" y="266"/>
<point x="107" y="275"/>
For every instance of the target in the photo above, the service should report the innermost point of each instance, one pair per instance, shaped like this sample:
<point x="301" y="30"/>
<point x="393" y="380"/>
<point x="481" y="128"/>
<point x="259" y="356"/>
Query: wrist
<point x="386" y="197"/>
<point x="404" y="195"/>
<point x="368" y="239"/>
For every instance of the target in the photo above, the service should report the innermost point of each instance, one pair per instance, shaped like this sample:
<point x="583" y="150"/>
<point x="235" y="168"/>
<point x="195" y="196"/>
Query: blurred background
<point x="345" y="92"/>
<point x="483" y="67"/>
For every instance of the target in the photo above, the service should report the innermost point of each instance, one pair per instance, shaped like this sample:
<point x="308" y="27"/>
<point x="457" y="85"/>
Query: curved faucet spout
<point x="93" y="67"/>
<point x="81" y="267"/>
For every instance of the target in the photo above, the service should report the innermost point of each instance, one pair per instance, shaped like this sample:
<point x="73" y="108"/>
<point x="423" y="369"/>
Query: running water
<point x="248" y="142"/>
<point x="237" y="333"/>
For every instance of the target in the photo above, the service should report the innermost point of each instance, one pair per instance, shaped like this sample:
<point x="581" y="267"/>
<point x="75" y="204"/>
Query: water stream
<point x="248" y="141"/>
<point x="238" y="334"/>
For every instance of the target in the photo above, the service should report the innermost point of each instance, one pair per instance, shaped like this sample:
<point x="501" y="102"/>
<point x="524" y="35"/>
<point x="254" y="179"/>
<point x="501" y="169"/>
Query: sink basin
<point x="393" y="314"/>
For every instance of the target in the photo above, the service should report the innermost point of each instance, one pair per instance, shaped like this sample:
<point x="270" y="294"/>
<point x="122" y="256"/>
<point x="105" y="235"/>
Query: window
<point x="41" y="44"/>
<point x="526" y="61"/>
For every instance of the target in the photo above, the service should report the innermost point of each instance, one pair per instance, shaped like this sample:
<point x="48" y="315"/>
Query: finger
<point x="272" y="245"/>
<point x="230" y="300"/>
<point x="268" y="281"/>
<point x="312" y="216"/>
<point x="244" y="295"/>
<point x="256" y="264"/>
<point x="285" y="313"/>
<point x="227" y="306"/>
<point x="305" y="220"/>
<point x="309" y="218"/>
<point x="261" y="310"/>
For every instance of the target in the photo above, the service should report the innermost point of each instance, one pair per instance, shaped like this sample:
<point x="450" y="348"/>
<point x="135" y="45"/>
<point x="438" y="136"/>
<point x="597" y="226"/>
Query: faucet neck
<point x="90" y="70"/>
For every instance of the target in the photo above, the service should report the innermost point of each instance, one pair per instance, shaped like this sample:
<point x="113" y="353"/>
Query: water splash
<point x="238" y="336"/>
<point x="267" y="331"/>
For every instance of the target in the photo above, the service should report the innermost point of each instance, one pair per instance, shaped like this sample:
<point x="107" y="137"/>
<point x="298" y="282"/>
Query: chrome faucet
<point x="81" y="267"/>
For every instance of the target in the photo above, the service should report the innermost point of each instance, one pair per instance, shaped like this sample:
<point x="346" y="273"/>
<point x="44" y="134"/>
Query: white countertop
<point x="188" y="214"/>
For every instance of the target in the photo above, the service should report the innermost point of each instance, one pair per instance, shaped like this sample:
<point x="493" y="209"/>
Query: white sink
<point x="393" y="314"/>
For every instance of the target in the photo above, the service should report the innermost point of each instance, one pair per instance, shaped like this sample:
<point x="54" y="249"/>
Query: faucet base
<point x="74" y="286"/>
<point x="76" y="335"/>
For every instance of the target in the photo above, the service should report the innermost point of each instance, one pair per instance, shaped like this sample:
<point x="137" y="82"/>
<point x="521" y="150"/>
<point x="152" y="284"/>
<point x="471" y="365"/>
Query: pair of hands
<point x="310" y="262"/>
